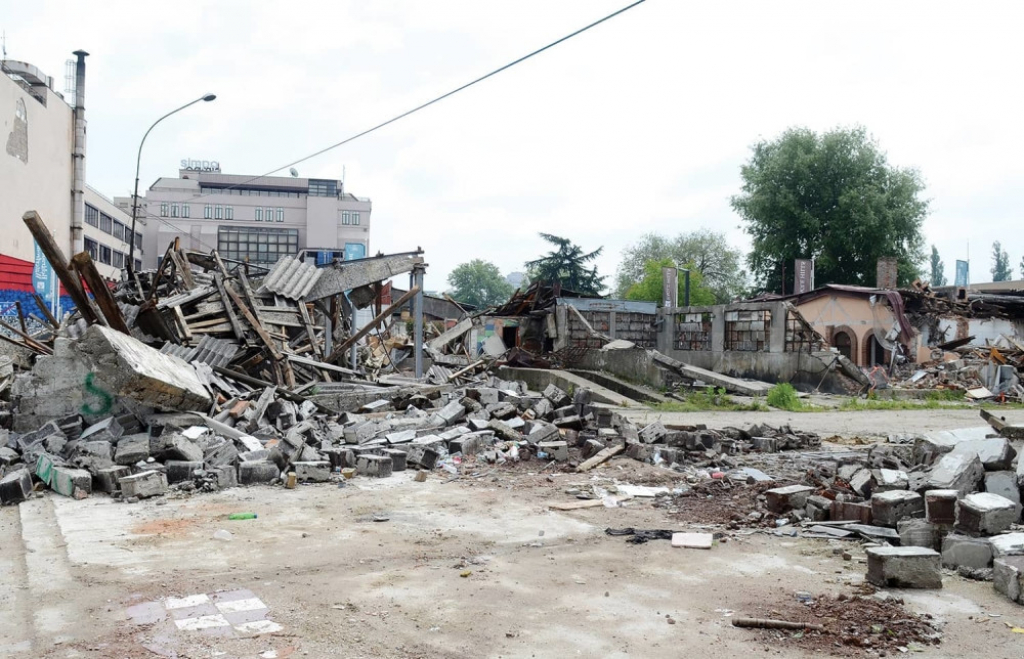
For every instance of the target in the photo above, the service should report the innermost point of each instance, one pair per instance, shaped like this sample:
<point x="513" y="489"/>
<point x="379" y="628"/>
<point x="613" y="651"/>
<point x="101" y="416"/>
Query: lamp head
<point x="209" y="97"/>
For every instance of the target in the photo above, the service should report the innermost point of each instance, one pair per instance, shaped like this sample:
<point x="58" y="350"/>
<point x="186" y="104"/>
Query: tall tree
<point x="479" y="283"/>
<point x="705" y="250"/>
<point x="938" y="269"/>
<point x="649" y="288"/>
<point x="1001" y="270"/>
<point x="834" y="198"/>
<point x="567" y="264"/>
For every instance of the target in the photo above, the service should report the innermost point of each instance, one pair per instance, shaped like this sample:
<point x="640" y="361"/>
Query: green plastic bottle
<point x="242" y="516"/>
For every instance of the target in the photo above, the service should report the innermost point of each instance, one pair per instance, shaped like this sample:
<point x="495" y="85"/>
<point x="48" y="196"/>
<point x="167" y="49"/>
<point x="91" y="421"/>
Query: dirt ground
<point x="475" y="567"/>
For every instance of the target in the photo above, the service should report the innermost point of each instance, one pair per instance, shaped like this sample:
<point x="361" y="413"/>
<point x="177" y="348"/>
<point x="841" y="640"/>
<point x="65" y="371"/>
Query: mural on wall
<point x="17" y="139"/>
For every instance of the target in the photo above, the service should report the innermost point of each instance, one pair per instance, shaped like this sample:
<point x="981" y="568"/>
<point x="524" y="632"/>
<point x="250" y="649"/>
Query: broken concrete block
<point x="890" y="479"/>
<point x="1008" y="577"/>
<point x="557" y="397"/>
<point x="843" y="511"/>
<point x="888" y="508"/>
<point x="315" y="472"/>
<point x="1004" y="483"/>
<point x="958" y="549"/>
<point x="502" y="430"/>
<point x="398" y="458"/>
<point x="107" y="479"/>
<point x="503" y="411"/>
<point x="452" y="413"/>
<point x="220" y="454"/>
<point x="227" y="476"/>
<point x="784" y="499"/>
<point x="8" y="456"/>
<point x="693" y="540"/>
<point x="917" y="533"/>
<point x="543" y="408"/>
<point x="377" y="466"/>
<point x="542" y="432"/>
<point x="144" y="484"/>
<point x="418" y="455"/>
<point x="962" y="472"/>
<point x="132" y="449"/>
<point x="984" y="513"/>
<point x="466" y="445"/>
<point x="557" y="451"/>
<point x="928" y="448"/>
<point x="818" y="508"/>
<point x="574" y="422"/>
<point x="251" y="473"/>
<point x="765" y="444"/>
<point x="940" y="506"/>
<point x="44" y="467"/>
<point x="179" y="447"/>
<point x="653" y="433"/>
<point x="70" y="482"/>
<point x="126" y="367"/>
<point x="995" y="453"/>
<point x="1007" y="544"/>
<point x="863" y="482"/>
<point x="15" y="487"/>
<point x="182" y="470"/>
<point x="904" y="567"/>
<point x="108" y="430"/>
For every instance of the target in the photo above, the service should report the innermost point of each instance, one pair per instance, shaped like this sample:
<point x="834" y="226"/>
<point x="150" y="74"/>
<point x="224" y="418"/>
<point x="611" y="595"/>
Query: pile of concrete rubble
<point x="944" y="499"/>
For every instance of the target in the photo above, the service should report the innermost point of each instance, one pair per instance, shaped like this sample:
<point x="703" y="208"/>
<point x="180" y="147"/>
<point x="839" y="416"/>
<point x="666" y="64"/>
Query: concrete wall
<point x="36" y="169"/>
<point x="854" y="315"/>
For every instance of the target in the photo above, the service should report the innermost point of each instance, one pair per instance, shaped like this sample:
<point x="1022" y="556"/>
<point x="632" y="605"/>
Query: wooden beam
<point x="55" y="256"/>
<point x="41" y="303"/>
<point x="29" y="341"/>
<point x="236" y="325"/>
<point x="255" y="323"/>
<point x="83" y="264"/>
<point x="369" y="327"/>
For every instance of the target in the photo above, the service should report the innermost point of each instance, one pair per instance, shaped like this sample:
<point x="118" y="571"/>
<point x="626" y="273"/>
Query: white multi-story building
<point x="253" y="218"/>
<point x="108" y="232"/>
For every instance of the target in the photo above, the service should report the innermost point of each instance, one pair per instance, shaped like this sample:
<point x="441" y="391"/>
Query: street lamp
<point x="138" y="161"/>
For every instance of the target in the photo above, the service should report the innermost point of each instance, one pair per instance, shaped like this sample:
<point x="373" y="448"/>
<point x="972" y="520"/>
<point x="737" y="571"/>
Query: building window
<point x="280" y="215"/>
<point x="106" y="223"/>
<point x="208" y="211"/>
<point x="163" y="210"/>
<point x="259" y="214"/>
<point x="355" y="219"/>
<point x="138" y="241"/>
<point x="138" y="265"/>
<point x="104" y="254"/>
<point x="186" y="210"/>
<point x="344" y="218"/>
<point x="229" y="212"/>
<point x="119" y="230"/>
<point x="323" y="188"/>
<point x="92" y="216"/>
<point x="174" y="210"/>
<point x="118" y="259"/>
<point x="257" y="244"/>
<point x="218" y="213"/>
<point x="268" y="214"/>
<point x="91" y="247"/>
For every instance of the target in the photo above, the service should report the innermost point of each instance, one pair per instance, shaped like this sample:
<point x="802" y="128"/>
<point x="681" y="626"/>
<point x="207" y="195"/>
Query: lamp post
<point x="138" y="161"/>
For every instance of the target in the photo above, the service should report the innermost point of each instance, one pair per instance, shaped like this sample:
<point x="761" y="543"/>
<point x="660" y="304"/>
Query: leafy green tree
<point x="834" y="198"/>
<point x="479" y="283"/>
<point x="707" y="251"/>
<point x="649" y="288"/>
<point x="1001" y="270"/>
<point x="567" y="264"/>
<point x="938" y="269"/>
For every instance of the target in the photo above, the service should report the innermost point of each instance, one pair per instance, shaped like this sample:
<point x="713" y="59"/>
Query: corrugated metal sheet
<point x="209" y="350"/>
<point x="291" y="278"/>
<point x="596" y="304"/>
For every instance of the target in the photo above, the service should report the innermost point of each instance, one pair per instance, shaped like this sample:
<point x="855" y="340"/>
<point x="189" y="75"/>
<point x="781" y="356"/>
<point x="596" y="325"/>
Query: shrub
<point x="783" y="396"/>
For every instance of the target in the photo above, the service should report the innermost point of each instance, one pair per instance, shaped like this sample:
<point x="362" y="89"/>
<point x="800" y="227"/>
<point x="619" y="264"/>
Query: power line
<point x="431" y="102"/>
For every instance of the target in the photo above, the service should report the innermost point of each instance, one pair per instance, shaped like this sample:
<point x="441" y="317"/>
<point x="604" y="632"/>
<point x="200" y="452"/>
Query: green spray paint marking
<point x="107" y="400"/>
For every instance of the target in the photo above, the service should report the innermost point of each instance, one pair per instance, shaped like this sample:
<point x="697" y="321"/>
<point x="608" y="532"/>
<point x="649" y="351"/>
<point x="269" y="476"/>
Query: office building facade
<point x="255" y="219"/>
<point x="108" y="235"/>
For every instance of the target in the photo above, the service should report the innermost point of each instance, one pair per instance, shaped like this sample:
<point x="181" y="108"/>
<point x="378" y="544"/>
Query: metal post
<point x="352" y="351"/>
<point x="130" y="266"/>
<point x="686" y="289"/>
<point x="417" y="318"/>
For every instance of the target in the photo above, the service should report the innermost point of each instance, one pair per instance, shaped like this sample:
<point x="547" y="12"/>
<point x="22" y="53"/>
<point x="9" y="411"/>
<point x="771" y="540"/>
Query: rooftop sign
<point x="200" y="165"/>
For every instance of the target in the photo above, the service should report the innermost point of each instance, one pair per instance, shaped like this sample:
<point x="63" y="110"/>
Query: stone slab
<point x="904" y="567"/>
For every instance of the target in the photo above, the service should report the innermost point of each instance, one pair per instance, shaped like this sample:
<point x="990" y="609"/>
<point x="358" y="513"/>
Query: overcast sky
<point x="638" y="125"/>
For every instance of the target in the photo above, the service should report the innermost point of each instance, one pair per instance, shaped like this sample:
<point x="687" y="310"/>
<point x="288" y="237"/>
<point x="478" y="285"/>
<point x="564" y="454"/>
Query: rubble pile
<point x="853" y="625"/>
<point x="995" y="370"/>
